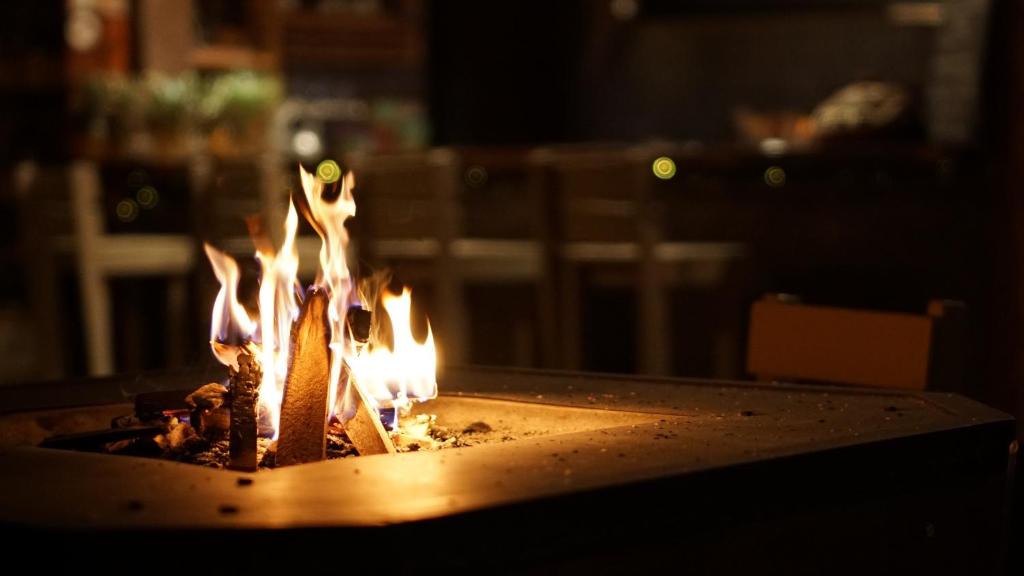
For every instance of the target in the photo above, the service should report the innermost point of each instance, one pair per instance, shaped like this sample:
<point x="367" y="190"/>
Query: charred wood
<point x="245" y="382"/>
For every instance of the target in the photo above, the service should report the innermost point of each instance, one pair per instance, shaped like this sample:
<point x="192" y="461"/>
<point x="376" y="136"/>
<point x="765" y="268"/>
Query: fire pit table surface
<point x="647" y="455"/>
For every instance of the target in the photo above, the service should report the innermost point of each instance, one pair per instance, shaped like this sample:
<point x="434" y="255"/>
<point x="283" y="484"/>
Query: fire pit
<point x="567" y="472"/>
<point x="589" y="472"/>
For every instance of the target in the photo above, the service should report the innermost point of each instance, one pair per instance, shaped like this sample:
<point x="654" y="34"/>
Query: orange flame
<point x="388" y="378"/>
<point x="330" y="217"/>
<point x="230" y="323"/>
<point x="278" y="309"/>
<point x="396" y="377"/>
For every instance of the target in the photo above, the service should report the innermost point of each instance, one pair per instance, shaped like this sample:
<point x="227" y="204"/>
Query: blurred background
<point x="602" y="185"/>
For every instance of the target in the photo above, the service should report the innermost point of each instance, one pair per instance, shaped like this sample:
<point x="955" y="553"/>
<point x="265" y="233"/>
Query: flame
<point x="388" y="378"/>
<point x="286" y="311"/>
<point x="328" y="216"/>
<point x="393" y="378"/>
<point x="231" y="328"/>
<point x="230" y="324"/>
<point x="279" y="307"/>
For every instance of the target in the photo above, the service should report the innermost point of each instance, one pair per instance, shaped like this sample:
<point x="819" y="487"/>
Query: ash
<point x="180" y="441"/>
<point x="422" y="432"/>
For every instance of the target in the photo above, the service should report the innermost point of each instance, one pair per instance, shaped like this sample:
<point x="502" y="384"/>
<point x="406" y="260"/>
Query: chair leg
<point x="453" y="314"/>
<point x="571" y="328"/>
<point x="653" y="337"/>
<point x="85" y="190"/>
<point x="96" y="312"/>
<point x="653" y="308"/>
<point x="548" y="324"/>
<point x="41" y="274"/>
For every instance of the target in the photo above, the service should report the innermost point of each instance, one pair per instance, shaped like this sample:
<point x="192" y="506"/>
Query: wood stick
<point x="245" y="386"/>
<point x="359" y="321"/>
<point x="303" y="432"/>
<point x="94" y="440"/>
<point x="365" y="429"/>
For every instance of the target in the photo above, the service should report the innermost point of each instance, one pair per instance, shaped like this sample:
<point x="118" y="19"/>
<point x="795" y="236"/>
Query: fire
<point x="231" y="324"/>
<point x="388" y="378"/>
<point x="393" y="378"/>
<point x="329" y="207"/>
<point x="279" y="307"/>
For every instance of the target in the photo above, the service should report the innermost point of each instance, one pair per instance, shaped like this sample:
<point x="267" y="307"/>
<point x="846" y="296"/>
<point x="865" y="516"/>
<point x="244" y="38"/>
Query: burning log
<point x="93" y="441"/>
<point x="365" y="429"/>
<point x="359" y="322"/>
<point x="372" y="290"/>
<point x="304" y="408"/>
<point x="245" y="384"/>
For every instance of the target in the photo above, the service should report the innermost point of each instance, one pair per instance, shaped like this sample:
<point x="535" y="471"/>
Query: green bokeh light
<point x="127" y="210"/>
<point x="664" y="167"/>
<point x="328" y="171"/>
<point x="775" y="177"/>
<point x="147" y="197"/>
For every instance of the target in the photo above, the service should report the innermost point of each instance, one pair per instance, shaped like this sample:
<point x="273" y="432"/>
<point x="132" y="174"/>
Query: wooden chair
<point x="591" y="227"/>
<point x="606" y="227"/>
<point x="42" y="244"/>
<point x="499" y="254"/>
<point x="100" y="256"/>
<point x="797" y="342"/>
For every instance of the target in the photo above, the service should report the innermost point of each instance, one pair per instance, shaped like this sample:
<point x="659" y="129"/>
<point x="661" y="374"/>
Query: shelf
<point x="179" y="157"/>
<point x="218" y="58"/>
<point x="350" y="42"/>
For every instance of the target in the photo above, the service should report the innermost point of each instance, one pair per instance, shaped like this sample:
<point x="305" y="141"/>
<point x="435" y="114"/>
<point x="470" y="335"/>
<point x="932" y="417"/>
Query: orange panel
<point x="797" y="342"/>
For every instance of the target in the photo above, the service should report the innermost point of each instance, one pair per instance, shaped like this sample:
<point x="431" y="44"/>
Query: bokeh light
<point x="476" y="176"/>
<point x="775" y="177"/>
<point x="127" y="210"/>
<point x="306" y="143"/>
<point x="664" y="168"/>
<point x="147" y="197"/>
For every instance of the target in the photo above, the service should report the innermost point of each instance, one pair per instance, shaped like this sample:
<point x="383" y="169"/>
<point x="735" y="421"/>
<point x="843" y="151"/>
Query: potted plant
<point x="169" y="105"/>
<point x="236" y="107"/>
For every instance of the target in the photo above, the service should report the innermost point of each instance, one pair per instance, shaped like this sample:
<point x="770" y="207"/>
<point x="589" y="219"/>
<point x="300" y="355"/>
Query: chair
<point x="499" y="254"/>
<point x="606" y="227"/>
<point x="42" y="213"/>
<point x="100" y="256"/>
<point x="792" y="341"/>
